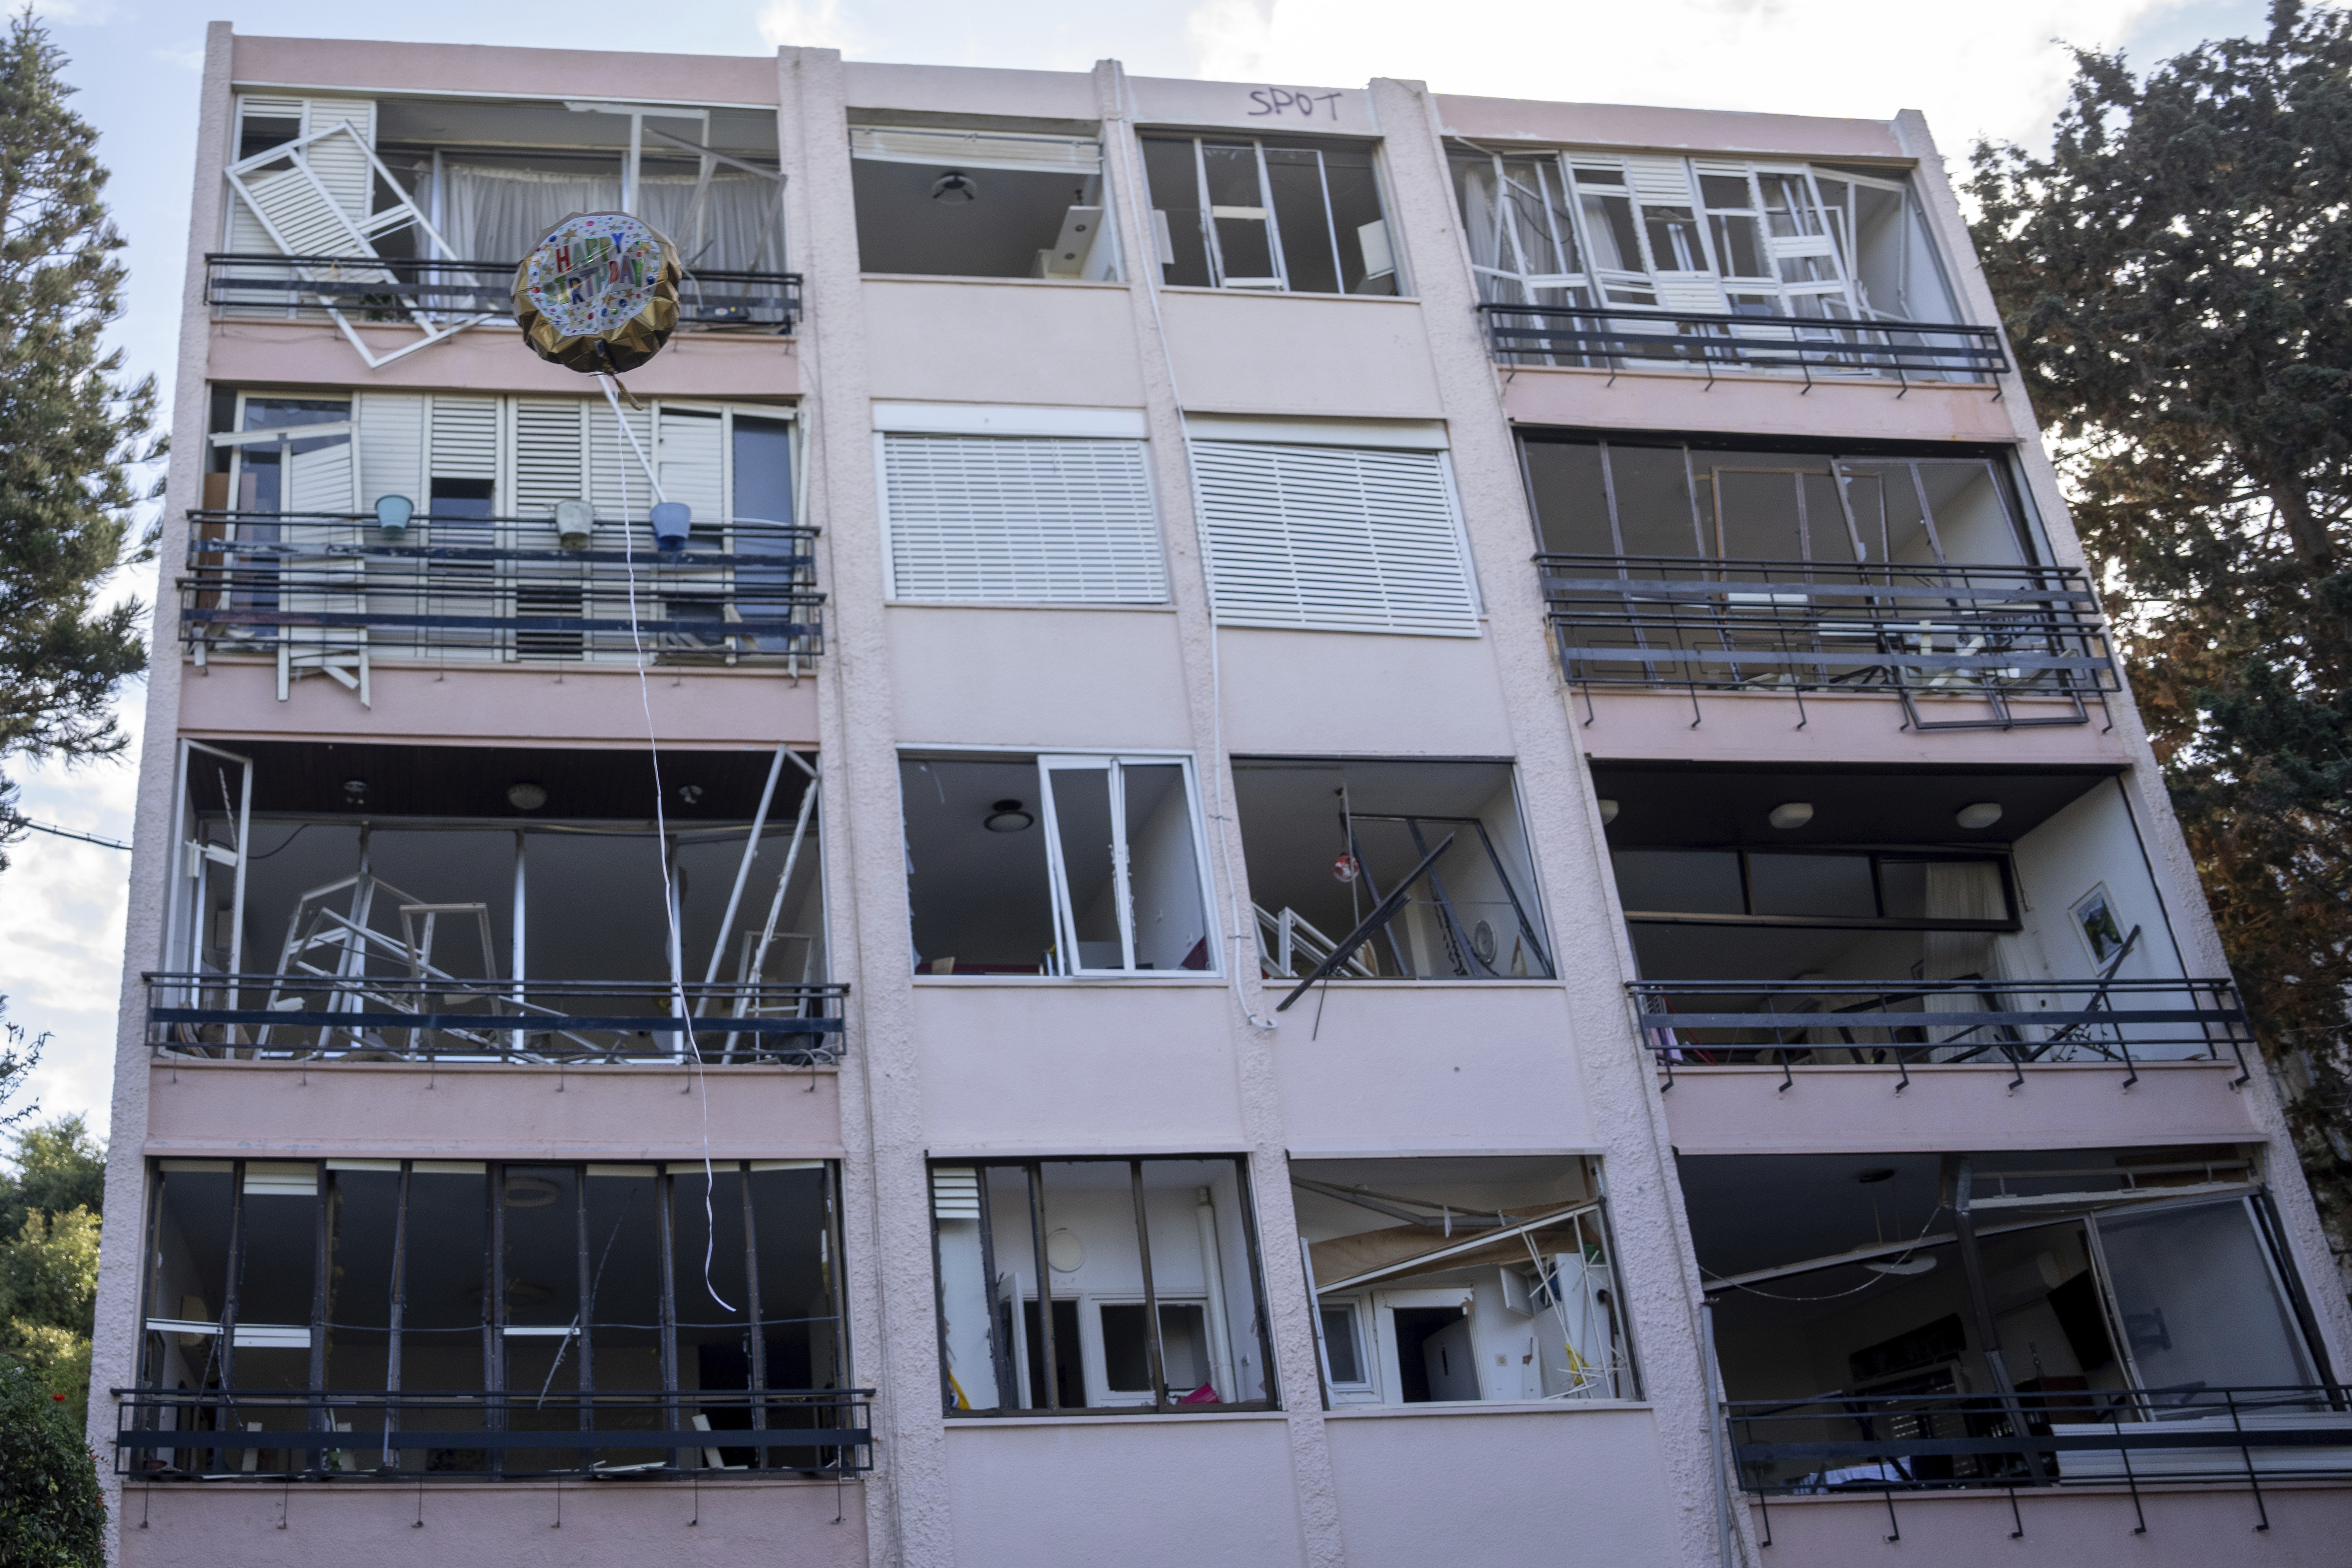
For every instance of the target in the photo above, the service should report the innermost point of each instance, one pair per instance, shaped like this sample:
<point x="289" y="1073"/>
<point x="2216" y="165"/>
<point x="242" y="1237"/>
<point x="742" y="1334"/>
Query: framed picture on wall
<point x="2095" y="917"/>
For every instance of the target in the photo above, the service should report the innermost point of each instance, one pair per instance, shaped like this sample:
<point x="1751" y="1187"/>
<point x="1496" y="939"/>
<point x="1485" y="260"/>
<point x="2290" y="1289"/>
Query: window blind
<point x="1333" y="539"/>
<point x="976" y="518"/>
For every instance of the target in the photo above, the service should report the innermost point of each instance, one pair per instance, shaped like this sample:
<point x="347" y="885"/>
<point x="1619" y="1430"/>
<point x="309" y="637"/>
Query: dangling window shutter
<point x="391" y="445"/>
<point x="321" y="480"/>
<point x="340" y="163"/>
<point x="550" y="439"/>
<point x="1334" y="539"/>
<point x="976" y="150"/>
<point x="1034" y="521"/>
<point x="689" y="465"/>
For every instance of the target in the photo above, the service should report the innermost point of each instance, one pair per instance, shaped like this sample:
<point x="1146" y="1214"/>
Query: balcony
<point x="1905" y="1024"/>
<point x="309" y="1015"/>
<point x="333" y="1434"/>
<point x="437" y="294"/>
<point x="1993" y="636"/>
<point x="1880" y="1444"/>
<point x="1617" y="338"/>
<point x="329" y="590"/>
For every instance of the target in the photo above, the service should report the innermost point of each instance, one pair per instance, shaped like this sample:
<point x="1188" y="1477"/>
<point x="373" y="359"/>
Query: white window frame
<point x="1065" y="936"/>
<point x="1263" y="214"/>
<point x="1367" y="1389"/>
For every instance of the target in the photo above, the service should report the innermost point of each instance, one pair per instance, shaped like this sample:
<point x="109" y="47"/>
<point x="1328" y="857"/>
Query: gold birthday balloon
<point x="598" y="292"/>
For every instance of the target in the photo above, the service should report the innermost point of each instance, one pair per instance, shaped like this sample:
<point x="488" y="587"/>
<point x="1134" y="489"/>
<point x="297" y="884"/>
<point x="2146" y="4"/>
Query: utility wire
<point x="9" y="823"/>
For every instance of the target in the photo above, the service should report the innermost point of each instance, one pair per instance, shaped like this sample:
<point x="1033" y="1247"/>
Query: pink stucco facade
<point x="968" y="1067"/>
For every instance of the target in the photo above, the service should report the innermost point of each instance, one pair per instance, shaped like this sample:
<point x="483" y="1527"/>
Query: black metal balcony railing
<point x="368" y="1017"/>
<point x="1616" y="337"/>
<point x="1905" y="1024"/>
<point x="325" y="1433"/>
<point x="1877" y="1444"/>
<point x="399" y="289"/>
<point x="1995" y="634"/>
<point x="497" y="589"/>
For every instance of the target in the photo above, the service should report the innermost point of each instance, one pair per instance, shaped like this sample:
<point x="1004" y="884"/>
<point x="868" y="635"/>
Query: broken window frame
<point x="1265" y="215"/>
<point x="1058" y="870"/>
<point x="1821" y="230"/>
<point x="1369" y="1303"/>
<point x="1010" y="1366"/>
<point x="997" y="149"/>
<point x="401" y="1408"/>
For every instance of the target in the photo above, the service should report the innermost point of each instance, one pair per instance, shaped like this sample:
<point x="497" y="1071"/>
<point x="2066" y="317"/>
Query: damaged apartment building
<point x="1325" y="826"/>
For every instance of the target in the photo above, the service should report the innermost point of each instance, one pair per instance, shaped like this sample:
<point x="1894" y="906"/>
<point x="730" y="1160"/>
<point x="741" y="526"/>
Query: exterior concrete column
<point x="886" y="1219"/>
<point x="116" y="1333"/>
<point x="1258" y="1091"/>
<point x="1655" y="1266"/>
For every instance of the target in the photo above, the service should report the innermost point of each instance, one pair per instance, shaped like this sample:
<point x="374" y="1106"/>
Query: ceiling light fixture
<point x="355" y="790"/>
<point x="1790" y="814"/>
<point x="1608" y="812"/>
<point x="1007" y="816"/>
<point x="954" y="187"/>
<point x="525" y="796"/>
<point x="1983" y="814"/>
<point x="1906" y="1266"/>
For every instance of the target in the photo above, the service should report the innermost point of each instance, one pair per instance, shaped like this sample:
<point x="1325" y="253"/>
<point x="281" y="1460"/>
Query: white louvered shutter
<point x="975" y="518"/>
<point x="246" y="235"/>
<point x="1659" y="182"/>
<point x="463" y="433"/>
<point x="341" y="162"/>
<point x="615" y="479"/>
<point x="391" y="446"/>
<point x="1335" y="539"/>
<point x="551" y="454"/>
<point x="321" y="480"/>
<point x="689" y="464"/>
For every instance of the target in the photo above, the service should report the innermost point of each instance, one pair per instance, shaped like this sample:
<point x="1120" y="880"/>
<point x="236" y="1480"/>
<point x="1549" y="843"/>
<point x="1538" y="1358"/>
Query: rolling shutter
<point x="1036" y="521"/>
<point x="976" y="150"/>
<point x="551" y="454"/>
<point x="688" y="462"/>
<point x="464" y="434"/>
<point x="391" y="445"/>
<point x="1333" y="539"/>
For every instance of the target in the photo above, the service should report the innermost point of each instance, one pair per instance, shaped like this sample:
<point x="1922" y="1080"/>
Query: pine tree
<point x="2177" y="280"/>
<point x="71" y="432"/>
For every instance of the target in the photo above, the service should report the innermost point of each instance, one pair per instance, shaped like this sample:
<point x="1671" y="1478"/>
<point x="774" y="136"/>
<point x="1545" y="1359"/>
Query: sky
<point x="1995" y="69"/>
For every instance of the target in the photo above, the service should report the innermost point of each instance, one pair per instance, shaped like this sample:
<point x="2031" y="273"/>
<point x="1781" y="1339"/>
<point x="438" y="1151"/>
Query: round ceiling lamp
<point x="1007" y="816"/>
<point x="525" y="796"/>
<point x="1790" y="814"/>
<point x="1983" y="814"/>
<point x="955" y="188"/>
<point x="598" y="293"/>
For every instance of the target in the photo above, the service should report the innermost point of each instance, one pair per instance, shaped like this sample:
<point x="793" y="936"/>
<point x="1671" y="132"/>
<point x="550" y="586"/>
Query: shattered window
<point x="1063" y="865"/>
<point x="981" y="204"/>
<point x="1462" y="1281"/>
<point x="1099" y="1284"/>
<point x="1365" y="870"/>
<point x="1705" y="235"/>
<point x="443" y="1299"/>
<point x="1301" y="217"/>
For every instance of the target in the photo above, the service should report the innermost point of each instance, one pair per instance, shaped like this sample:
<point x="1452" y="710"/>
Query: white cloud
<point x="75" y="12"/>
<point x="62" y="909"/>
<point x="808" y="25"/>
<point x="186" y="56"/>
<point x="1993" y="69"/>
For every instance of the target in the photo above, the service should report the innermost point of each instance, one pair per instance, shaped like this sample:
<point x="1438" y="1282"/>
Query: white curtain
<point x="497" y="215"/>
<point x="1963" y="890"/>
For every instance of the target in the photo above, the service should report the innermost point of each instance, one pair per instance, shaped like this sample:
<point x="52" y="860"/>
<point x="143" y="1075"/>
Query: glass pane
<point x="1175" y="192"/>
<point x="1825" y="521"/>
<point x="1679" y="881"/>
<point x="1238" y="210"/>
<point x="1295" y="175"/>
<point x="976" y="878"/>
<point x="441" y="1349"/>
<point x="1674" y="243"/>
<point x="1818" y="885"/>
<point x="1082" y="821"/>
<point x="1355" y="195"/>
<point x="1756" y="515"/>
<point x="366" y="1211"/>
<point x="1653" y="500"/>
<point x="191" y="1278"/>
<point x="1340" y="1344"/>
<point x="625" y="1300"/>
<point x="1608" y="225"/>
<point x="800" y="1335"/>
<point x="965" y="1333"/>
<point x="714" y="1346"/>
<point x="2199" y="1309"/>
<point x="1571" y="509"/>
<point x="1171" y="929"/>
<point x="541" y="1286"/>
